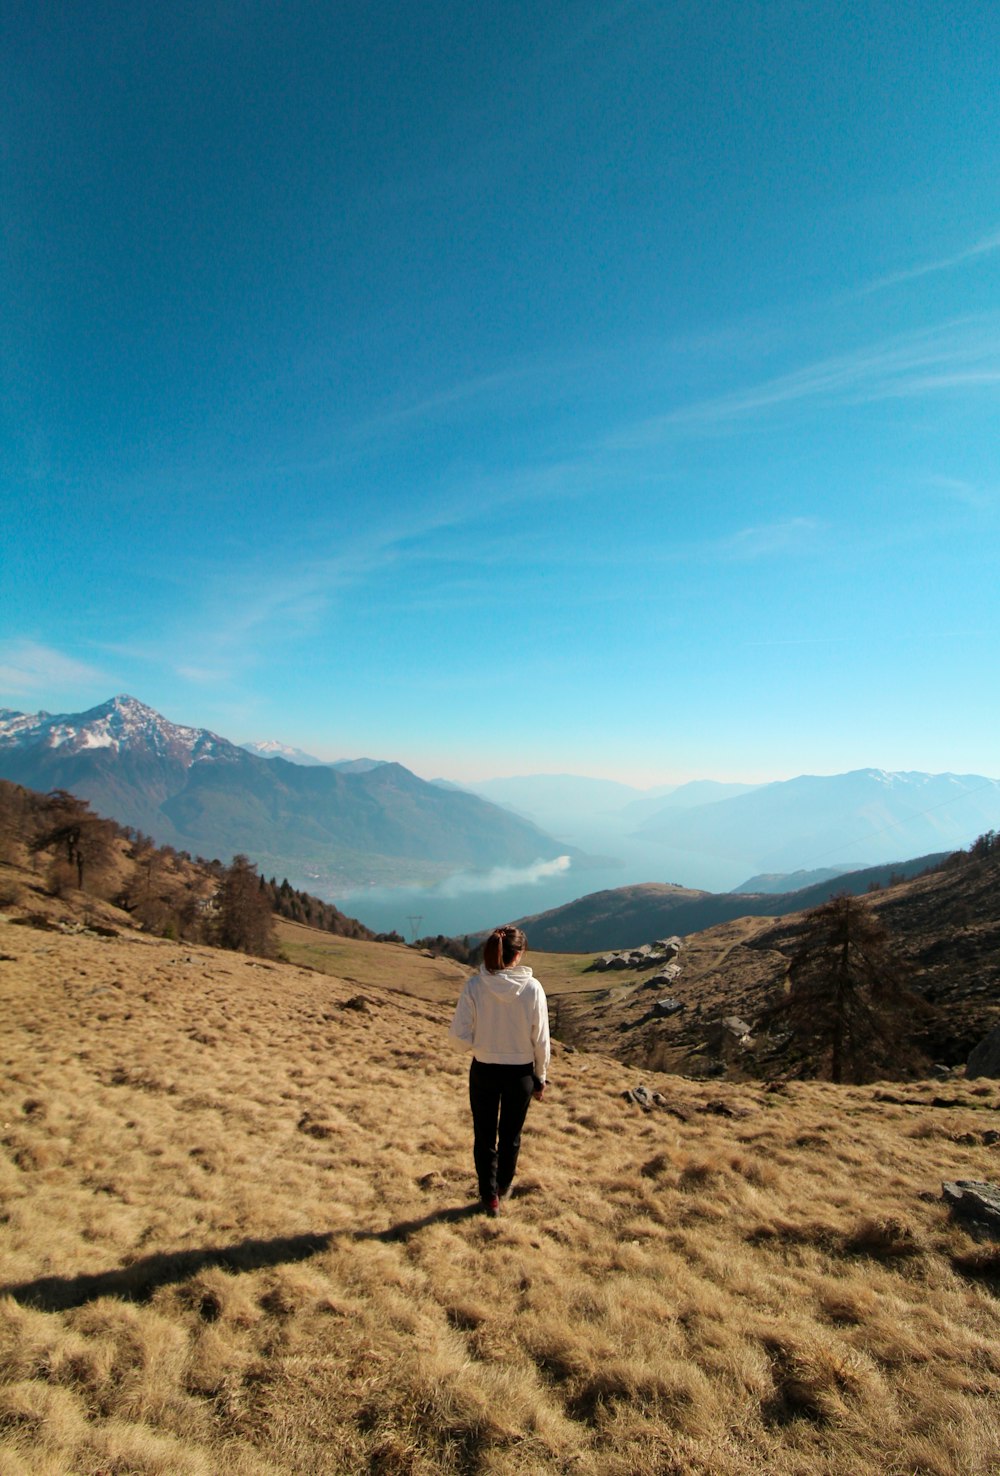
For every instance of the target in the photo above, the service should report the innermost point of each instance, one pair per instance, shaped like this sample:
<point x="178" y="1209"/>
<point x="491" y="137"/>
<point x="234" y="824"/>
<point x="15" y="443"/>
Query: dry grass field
<point x="237" y="1237"/>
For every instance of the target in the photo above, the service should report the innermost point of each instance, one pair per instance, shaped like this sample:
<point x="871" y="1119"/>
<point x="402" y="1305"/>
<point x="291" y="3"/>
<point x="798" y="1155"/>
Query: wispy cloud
<point x="460" y="395"/>
<point x="971" y="494"/>
<point x="951" y="356"/>
<point x="984" y="247"/>
<point x="28" y="668"/>
<point x="202" y="675"/>
<point x="793" y="535"/>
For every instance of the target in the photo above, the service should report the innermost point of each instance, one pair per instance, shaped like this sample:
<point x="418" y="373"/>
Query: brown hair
<point x="502" y="947"/>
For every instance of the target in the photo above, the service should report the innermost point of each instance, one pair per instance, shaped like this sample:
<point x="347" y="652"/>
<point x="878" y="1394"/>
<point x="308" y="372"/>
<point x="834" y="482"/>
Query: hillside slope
<point x="238" y="1240"/>
<point x="621" y="916"/>
<point x="943" y="925"/>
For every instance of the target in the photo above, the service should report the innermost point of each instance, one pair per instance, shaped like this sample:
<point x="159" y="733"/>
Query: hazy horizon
<point x="469" y="774"/>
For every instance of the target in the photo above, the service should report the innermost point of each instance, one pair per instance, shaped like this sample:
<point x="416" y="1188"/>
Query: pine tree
<point x="246" y="922"/>
<point x="847" y="1001"/>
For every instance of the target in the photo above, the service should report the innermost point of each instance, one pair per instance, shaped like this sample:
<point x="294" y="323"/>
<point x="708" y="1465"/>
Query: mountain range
<point x="320" y="825"/>
<point x="363" y="823"/>
<point x="867" y="812"/>
<point x="714" y="835"/>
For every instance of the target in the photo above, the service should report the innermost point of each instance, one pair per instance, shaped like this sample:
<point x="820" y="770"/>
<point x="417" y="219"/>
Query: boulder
<point x="640" y="1095"/>
<point x="984" y="1059"/>
<point x="975" y="1202"/>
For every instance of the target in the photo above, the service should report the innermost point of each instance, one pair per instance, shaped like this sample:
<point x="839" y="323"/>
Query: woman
<point x="503" y="1018"/>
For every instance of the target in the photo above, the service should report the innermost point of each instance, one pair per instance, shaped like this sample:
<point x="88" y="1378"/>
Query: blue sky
<point x="603" y="388"/>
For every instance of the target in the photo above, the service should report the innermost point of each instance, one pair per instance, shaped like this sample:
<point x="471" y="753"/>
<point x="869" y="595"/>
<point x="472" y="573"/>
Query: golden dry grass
<point x="395" y="966"/>
<point x="236" y="1239"/>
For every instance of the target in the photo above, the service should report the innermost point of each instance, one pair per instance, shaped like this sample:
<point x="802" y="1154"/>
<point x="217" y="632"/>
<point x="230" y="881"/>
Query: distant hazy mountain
<point x="592" y="812"/>
<point x="798" y="822"/>
<point x="559" y="792"/>
<point x="684" y="797"/>
<point x="270" y="748"/>
<point x="704" y="792"/>
<point x="195" y="790"/>
<point x="357" y="766"/>
<point x="792" y="881"/>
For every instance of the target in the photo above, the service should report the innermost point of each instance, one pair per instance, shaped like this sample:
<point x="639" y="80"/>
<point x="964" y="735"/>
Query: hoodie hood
<point x="508" y="983"/>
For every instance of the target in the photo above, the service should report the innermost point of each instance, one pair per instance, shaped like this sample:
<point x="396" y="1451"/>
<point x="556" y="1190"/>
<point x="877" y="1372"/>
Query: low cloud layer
<point x="501" y="878"/>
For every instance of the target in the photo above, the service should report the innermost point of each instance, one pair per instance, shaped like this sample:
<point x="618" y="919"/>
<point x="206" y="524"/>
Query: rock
<point x="640" y="1095"/>
<point x="984" y="1059"/>
<point x="667" y="1007"/>
<point x="975" y="1202"/>
<point x="357" y="1002"/>
<point x="718" y="1108"/>
<point x="733" y="1025"/>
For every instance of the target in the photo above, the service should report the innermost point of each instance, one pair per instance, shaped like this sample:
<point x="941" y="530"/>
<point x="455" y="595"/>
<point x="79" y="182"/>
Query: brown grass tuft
<point x="981" y="1264"/>
<point x="885" y="1237"/>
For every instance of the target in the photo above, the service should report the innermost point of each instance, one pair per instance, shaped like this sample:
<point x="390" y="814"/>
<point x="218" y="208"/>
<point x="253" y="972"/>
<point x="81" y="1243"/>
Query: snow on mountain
<point x="120" y="725"/>
<point x="269" y="748"/>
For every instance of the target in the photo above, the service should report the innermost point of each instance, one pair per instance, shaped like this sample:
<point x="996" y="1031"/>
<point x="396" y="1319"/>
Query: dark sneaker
<point x="492" y="1206"/>
<point x="505" y="1194"/>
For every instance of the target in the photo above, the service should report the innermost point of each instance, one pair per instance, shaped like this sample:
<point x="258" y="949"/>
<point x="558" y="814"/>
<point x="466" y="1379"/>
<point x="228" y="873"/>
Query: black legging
<point x="504" y="1092"/>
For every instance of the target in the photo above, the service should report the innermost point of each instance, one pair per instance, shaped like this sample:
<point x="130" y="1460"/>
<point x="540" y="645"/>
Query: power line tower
<point x="414" y="925"/>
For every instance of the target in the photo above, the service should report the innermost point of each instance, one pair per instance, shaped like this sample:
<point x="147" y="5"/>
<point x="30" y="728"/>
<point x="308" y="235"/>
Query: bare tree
<point x="71" y="827"/>
<point x="16" y="821"/>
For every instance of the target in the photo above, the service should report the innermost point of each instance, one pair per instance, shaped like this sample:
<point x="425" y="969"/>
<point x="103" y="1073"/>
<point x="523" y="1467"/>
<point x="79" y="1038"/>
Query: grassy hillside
<point x="621" y="916"/>
<point x="942" y="926"/>
<point x="238" y="1239"/>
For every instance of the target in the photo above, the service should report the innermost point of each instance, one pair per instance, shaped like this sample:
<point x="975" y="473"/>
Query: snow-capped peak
<point x="120" y="725"/>
<point x="269" y="748"/>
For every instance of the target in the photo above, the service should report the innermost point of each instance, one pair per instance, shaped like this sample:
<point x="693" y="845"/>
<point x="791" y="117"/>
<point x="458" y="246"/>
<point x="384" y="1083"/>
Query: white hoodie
<point x="504" y="1019"/>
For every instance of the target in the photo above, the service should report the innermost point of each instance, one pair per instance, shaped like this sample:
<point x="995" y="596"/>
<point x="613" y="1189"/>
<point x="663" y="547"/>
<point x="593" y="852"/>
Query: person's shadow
<point x="138" y="1281"/>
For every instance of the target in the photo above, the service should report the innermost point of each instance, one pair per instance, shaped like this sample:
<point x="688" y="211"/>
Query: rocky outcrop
<point x="975" y="1203"/>
<point x="984" y="1059"/>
